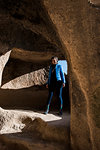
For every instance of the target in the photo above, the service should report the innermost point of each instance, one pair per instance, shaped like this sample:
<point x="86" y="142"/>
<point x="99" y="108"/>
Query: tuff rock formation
<point x="34" y="31"/>
<point x="27" y="35"/>
<point x="78" y="27"/>
<point x="26" y="129"/>
<point x="95" y="2"/>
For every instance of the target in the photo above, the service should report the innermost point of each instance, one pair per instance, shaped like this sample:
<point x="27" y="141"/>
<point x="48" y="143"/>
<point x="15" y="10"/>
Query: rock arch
<point x="74" y="27"/>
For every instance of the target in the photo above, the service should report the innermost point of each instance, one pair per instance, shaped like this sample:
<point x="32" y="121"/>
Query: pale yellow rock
<point x="3" y="60"/>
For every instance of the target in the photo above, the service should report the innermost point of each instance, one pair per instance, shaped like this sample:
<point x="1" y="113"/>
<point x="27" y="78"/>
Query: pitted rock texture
<point x="18" y="74"/>
<point x="78" y="27"/>
<point x="25" y="29"/>
<point x="72" y="27"/>
<point x="95" y="2"/>
<point x="10" y="122"/>
<point x="29" y="130"/>
<point x="3" y="60"/>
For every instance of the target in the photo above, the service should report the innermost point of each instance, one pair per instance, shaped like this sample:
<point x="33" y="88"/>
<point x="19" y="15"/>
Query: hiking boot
<point x="60" y="112"/>
<point x="46" y="112"/>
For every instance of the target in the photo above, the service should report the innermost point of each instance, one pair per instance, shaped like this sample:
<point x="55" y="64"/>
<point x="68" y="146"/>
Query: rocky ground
<point x="29" y="130"/>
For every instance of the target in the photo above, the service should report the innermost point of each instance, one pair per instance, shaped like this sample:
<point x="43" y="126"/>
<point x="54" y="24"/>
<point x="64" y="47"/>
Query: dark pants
<point x="57" y="86"/>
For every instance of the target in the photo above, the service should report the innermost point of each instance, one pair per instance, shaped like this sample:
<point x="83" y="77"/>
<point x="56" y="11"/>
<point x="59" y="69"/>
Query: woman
<point x="56" y="81"/>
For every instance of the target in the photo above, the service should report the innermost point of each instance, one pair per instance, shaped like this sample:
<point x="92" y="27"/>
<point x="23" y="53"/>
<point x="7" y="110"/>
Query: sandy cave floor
<point x="29" y="130"/>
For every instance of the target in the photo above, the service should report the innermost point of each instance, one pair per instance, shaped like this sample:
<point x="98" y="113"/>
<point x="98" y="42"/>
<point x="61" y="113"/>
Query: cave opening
<point x="19" y="94"/>
<point x="31" y="50"/>
<point x="34" y="31"/>
<point x="65" y="93"/>
<point x="32" y="44"/>
<point x="17" y="82"/>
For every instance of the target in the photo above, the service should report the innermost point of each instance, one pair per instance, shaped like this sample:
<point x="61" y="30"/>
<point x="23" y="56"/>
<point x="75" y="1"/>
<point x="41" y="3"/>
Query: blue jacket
<point x="59" y="74"/>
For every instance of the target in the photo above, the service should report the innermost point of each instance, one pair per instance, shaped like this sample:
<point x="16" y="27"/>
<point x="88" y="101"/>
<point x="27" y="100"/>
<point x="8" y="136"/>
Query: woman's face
<point x="54" y="61"/>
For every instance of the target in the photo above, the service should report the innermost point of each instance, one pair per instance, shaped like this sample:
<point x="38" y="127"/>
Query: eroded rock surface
<point x="28" y="130"/>
<point x="95" y="2"/>
<point x="3" y="60"/>
<point x="69" y="29"/>
<point x="78" y="27"/>
<point x="29" y="35"/>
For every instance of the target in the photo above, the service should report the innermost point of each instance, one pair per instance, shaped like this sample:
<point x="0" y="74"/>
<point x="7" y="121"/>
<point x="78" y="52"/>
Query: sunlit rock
<point x="3" y="60"/>
<point x="95" y="2"/>
<point x="44" y="28"/>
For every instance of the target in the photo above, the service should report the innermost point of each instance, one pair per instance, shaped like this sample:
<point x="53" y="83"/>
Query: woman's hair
<point x="54" y="57"/>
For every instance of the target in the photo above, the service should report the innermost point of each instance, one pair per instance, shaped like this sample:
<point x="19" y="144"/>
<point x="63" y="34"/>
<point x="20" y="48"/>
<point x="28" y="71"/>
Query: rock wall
<point x="24" y="84"/>
<point x="78" y="27"/>
<point x="36" y="30"/>
<point x="29" y="130"/>
<point x="27" y="42"/>
<point x="95" y="2"/>
<point x="3" y="60"/>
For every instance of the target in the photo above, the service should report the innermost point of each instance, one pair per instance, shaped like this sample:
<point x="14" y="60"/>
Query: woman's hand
<point x="47" y="86"/>
<point x="63" y="84"/>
